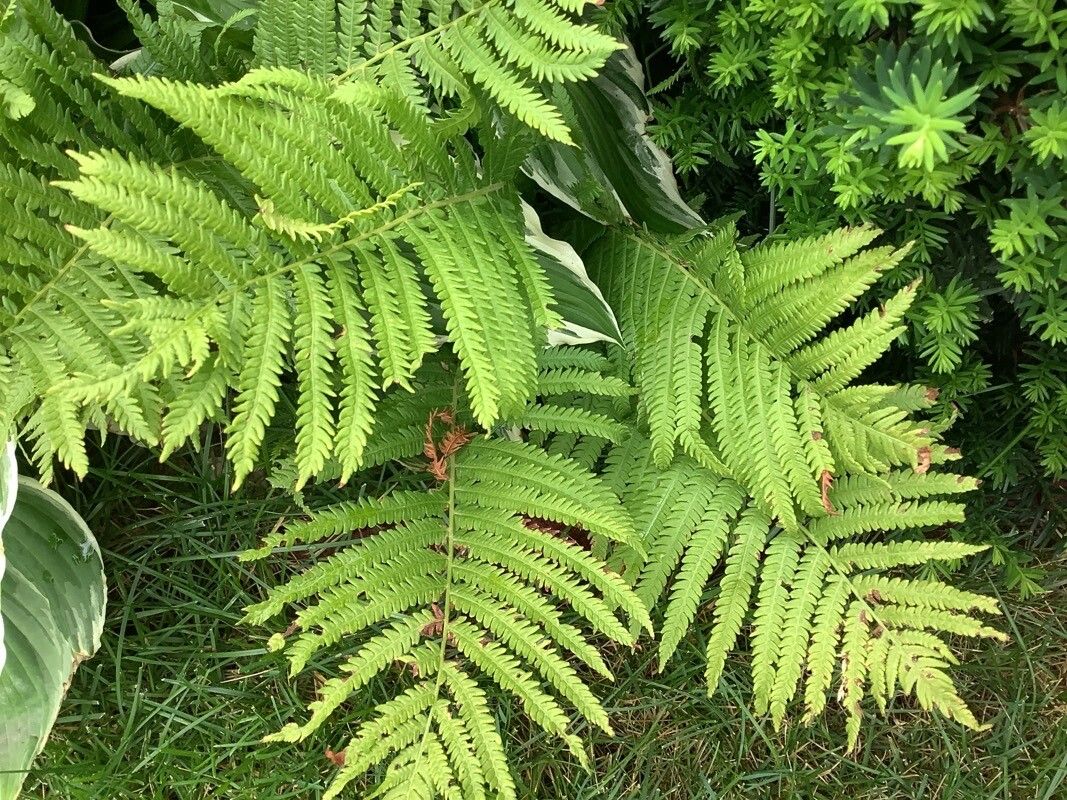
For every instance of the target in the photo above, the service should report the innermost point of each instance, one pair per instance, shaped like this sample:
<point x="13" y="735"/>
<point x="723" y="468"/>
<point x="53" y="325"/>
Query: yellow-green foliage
<point x="453" y="583"/>
<point x="942" y="122"/>
<point x="764" y="455"/>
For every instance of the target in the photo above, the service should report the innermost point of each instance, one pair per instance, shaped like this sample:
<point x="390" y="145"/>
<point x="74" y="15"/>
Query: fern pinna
<point x="363" y="226"/>
<point x="508" y="49"/>
<point x="764" y="453"/>
<point x="461" y="581"/>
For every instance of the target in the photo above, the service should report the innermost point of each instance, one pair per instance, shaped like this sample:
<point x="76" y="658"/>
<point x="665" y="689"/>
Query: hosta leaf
<point x="617" y="173"/>
<point x="586" y="315"/>
<point x="52" y="597"/>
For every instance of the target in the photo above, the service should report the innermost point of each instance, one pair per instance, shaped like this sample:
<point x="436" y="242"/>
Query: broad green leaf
<point x="8" y="488"/>
<point x="616" y="173"/>
<point x="52" y="597"/>
<point x="587" y="317"/>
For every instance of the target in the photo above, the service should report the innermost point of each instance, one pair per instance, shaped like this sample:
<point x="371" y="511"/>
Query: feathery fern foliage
<point x="765" y="455"/>
<point x="361" y="229"/>
<point x="55" y="318"/>
<point x="332" y="230"/>
<point x="509" y="50"/>
<point x="942" y="122"/>
<point x="466" y="583"/>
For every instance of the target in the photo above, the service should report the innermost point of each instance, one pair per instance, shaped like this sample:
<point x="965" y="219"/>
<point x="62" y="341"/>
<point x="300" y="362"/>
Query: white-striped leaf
<point x="52" y="597"/>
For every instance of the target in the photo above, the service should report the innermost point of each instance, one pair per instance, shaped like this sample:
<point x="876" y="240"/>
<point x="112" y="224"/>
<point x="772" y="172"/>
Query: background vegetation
<point x="943" y="123"/>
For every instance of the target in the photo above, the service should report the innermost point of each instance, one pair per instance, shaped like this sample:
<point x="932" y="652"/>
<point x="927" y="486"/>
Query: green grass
<point x="176" y="700"/>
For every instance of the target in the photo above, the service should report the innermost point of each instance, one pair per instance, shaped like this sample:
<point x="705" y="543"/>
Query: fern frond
<point x="453" y="581"/>
<point x="508" y="51"/>
<point x="351" y="299"/>
<point x="855" y="641"/>
<point x="734" y="368"/>
<point x="561" y="419"/>
<point x="807" y="588"/>
<point x="771" y="268"/>
<point x="553" y="381"/>
<point x="886" y="555"/>
<point x="356" y="401"/>
<point x="260" y="375"/>
<point x="313" y="354"/>
<point x="735" y="588"/>
<point x="777" y="574"/>
<point x="700" y="559"/>
<point x="885" y="516"/>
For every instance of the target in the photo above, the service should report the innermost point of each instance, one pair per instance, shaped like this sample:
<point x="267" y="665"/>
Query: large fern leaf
<point x="468" y="584"/>
<point x="508" y="49"/>
<point x="741" y="387"/>
<point x="285" y="273"/>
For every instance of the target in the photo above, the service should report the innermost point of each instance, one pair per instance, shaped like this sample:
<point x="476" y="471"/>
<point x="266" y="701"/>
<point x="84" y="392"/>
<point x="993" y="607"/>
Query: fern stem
<point x="845" y="576"/>
<point x="388" y="226"/>
<point x="446" y="599"/>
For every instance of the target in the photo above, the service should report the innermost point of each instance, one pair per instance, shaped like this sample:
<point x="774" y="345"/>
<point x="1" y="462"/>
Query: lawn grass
<point x="175" y="702"/>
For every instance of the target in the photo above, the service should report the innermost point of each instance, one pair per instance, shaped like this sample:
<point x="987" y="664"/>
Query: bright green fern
<point x="306" y="267"/>
<point x="766" y="461"/>
<point x="322" y="226"/>
<point x="469" y="582"/>
<point x="508" y="49"/>
<point x="320" y="243"/>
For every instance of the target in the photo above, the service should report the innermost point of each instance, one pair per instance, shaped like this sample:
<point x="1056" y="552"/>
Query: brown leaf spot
<point x="932" y="393"/>
<point x="450" y="443"/>
<point x="826" y="480"/>
<point x="435" y="627"/>
<point x="336" y="758"/>
<point x="816" y="435"/>
<point x="924" y="456"/>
